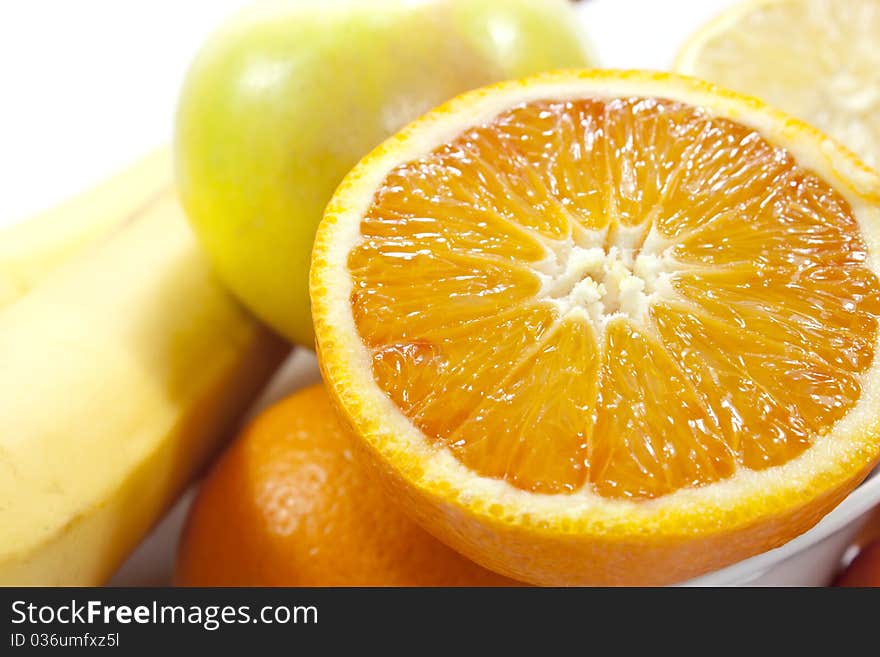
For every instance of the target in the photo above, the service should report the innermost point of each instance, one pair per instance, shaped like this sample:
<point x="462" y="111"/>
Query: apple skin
<point x="287" y="96"/>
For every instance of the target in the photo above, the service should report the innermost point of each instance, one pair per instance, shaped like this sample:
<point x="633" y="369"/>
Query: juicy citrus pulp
<point x="817" y="59"/>
<point x="627" y="295"/>
<point x="596" y="318"/>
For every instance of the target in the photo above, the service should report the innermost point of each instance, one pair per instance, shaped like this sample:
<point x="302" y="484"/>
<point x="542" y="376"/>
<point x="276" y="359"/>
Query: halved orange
<point x="606" y="327"/>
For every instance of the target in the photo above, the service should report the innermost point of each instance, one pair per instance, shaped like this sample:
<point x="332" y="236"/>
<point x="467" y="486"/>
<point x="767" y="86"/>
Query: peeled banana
<point x="122" y="371"/>
<point x="31" y="249"/>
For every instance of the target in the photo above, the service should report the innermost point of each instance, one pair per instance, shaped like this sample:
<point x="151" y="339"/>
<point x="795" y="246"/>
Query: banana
<point x="122" y="372"/>
<point x="31" y="249"/>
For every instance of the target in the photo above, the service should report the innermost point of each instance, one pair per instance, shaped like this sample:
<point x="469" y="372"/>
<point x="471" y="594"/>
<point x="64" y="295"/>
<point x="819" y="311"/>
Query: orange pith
<point x="624" y="296"/>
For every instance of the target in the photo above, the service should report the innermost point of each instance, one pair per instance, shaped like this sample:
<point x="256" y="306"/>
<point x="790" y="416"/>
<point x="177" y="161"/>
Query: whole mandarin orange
<point x="288" y="505"/>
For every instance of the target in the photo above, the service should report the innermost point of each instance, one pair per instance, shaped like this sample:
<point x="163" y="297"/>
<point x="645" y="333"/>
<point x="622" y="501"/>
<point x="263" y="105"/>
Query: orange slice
<point x="606" y="327"/>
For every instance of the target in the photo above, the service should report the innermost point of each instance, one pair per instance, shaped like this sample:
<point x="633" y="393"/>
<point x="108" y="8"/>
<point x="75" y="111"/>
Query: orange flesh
<point x="627" y="295"/>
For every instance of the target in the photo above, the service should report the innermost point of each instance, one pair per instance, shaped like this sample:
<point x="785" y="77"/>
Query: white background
<point x="87" y="86"/>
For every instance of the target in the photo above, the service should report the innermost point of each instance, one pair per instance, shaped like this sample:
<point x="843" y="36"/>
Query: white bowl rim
<point x="859" y="502"/>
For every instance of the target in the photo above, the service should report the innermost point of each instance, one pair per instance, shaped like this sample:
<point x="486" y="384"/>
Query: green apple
<point x="284" y="99"/>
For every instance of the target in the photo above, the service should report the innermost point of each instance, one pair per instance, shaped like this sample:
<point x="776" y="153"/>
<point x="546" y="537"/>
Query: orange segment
<point x="833" y="319"/>
<point x="551" y="159"/>
<point x="457" y="237"/>
<point x="391" y="306"/>
<point x="629" y="127"/>
<point x="770" y="398"/>
<point x="534" y="427"/>
<point x="474" y="227"/>
<point x="728" y="172"/>
<point x="795" y="221"/>
<point x="439" y="378"/>
<point x="654" y="434"/>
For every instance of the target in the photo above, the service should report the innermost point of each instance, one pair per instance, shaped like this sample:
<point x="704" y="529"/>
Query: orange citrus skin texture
<point x="517" y="511"/>
<point x="561" y="556"/>
<point x="288" y="505"/>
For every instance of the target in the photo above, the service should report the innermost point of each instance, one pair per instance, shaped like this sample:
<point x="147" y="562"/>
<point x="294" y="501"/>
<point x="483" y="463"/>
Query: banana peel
<point x="31" y="249"/>
<point x="122" y="372"/>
